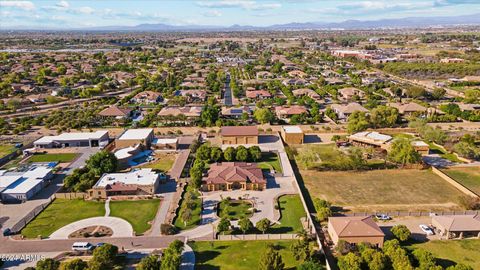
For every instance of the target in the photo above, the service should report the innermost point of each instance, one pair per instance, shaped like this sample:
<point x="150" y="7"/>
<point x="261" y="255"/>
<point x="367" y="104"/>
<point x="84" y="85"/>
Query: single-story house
<point x="408" y="108"/>
<point x="21" y="186"/>
<point x="292" y="134"/>
<point x="239" y="135"/>
<point x="305" y="92"/>
<point x="74" y="139"/>
<point x="193" y="95"/>
<point x="116" y="112"/>
<point x="130" y="137"/>
<point x="165" y="143"/>
<point x="284" y="112"/>
<point x="258" y="94"/>
<point x="355" y="230"/>
<point x="344" y="111"/>
<point x="460" y="226"/>
<point x="234" y="175"/>
<point x="232" y="112"/>
<point x="133" y="183"/>
<point x="188" y="112"/>
<point x="367" y="138"/>
<point x="147" y="97"/>
<point x="349" y="92"/>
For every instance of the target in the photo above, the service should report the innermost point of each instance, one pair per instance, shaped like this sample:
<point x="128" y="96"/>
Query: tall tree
<point x="271" y="260"/>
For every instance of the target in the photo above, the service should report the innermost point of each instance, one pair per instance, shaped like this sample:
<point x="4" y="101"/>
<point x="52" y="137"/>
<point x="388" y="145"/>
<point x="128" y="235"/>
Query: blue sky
<point x="85" y="13"/>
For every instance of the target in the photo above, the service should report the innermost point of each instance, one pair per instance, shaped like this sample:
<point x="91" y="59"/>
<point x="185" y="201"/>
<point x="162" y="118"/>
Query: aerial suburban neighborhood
<point x="230" y="135"/>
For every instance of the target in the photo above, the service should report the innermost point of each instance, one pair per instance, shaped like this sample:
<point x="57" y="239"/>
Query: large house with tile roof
<point x="234" y="175"/>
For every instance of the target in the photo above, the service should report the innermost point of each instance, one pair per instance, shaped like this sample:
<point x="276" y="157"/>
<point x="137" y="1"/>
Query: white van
<point x="82" y="246"/>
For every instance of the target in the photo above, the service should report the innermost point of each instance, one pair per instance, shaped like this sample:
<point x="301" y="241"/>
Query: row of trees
<point x="209" y="154"/>
<point x="84" y="178"/>
<point x="379" y="117"/>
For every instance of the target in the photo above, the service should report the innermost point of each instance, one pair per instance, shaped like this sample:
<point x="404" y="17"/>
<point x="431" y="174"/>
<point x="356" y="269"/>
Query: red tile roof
<point x="229" y="172"/>
<point x="239" y="131"/>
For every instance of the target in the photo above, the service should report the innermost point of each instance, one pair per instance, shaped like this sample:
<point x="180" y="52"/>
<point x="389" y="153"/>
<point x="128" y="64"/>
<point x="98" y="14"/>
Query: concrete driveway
<point x="120" y="227"/>
<point x="412" y="224"/>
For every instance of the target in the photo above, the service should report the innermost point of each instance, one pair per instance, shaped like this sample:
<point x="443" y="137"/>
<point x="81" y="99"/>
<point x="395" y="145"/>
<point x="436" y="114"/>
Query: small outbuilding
<point x="459" y="226"/>
<point x="239" y="135"/>
<point x="292" y="135"/>
<point x="135" y="136"/>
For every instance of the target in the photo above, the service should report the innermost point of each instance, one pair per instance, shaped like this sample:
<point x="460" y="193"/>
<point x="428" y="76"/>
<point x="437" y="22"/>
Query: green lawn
<point x="60" y="213"/>
<point x="269" y="161"/>
<point x="291" y="210"/>
<point x="60" y="157"/>
<point x="467" y="176"/>
<point x="234" y="209"/>
<point x="163" y="162"/>
<point x="458" y="251"/>
<point x="237" y="255"/>
<point x="196" y="212"/>
<point x="6" y="149"/>
<point x="138" y="213"/>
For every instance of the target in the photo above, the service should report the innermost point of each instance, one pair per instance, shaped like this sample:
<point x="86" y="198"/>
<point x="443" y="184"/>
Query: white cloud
<point x="85" y="10"/>
<point x="212" y="13"/>
<point x="63" y="4"/>
<point x="25" y="5"/>
<point x="245" y="4"/>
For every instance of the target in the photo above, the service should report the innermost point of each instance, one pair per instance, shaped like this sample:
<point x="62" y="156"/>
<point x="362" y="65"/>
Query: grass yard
<point x="6" y="149"/>
<point x="196" y="212"/>
<point x="291" y="210"/>
<point x="139" y="213"/>
<point x="269" y="161"/>
<point x="234" y="209"/>
<point x="444" y="154"/>
<point x="237" y="255"/>
<point x="60" y="213"/>
<point x="382" y="190"/>
<point x="163" y="162"/>
<point x="467" y="176"/>
<point x="458" y="251"/>
<point x="60" y="157"/>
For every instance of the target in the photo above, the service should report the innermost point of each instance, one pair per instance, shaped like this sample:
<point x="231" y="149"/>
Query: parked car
<point x="383" y="217"/>
<point x="100" y="244"/>
<point x="426" y="229"/>
<point x="7" y="232"/>
<point x="82" y="246"/>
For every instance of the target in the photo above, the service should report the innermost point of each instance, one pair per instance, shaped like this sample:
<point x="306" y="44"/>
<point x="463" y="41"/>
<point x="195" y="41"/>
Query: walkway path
<point x="188" y="258"/>
<point x="107" y="207"/>
<point x="120" y="227"/>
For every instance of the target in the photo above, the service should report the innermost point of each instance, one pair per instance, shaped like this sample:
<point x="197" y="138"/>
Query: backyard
<point x="237" y="255"/>
<point x="450" y="252"/>
<point x="163" y="162"/>
<point x="138" y="213"/>
<point x="467" y="176"/>
<point x="60" y="213"/>
<point x="382" y="190"/>
<point x="234" y="209"/>
<point x="443" y="153"/>
<point x="269" y="161"/>
<point x="59" y="157"/>
<point x="291" y="210"/>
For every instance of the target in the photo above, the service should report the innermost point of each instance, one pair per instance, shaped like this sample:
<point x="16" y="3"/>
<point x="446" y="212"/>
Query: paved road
<point x="227" y="94"/>
<point x="8" y="245"/>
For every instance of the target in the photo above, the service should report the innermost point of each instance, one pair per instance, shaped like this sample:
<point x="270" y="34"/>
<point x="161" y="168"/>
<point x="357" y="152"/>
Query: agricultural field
<point x="382" y="190"/>
<point x="467" y="176"/>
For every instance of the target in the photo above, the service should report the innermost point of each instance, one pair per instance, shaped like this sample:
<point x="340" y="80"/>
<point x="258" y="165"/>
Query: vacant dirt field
<point x="381" y="190"/>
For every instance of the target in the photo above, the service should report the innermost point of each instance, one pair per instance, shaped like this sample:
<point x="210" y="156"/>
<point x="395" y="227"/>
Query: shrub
<point x="167" y="229"/>
<point x="401" y="232"/>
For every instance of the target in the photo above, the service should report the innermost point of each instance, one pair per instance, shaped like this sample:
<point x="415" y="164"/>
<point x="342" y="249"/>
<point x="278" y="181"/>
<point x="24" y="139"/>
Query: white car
<point x="426" y="229"/>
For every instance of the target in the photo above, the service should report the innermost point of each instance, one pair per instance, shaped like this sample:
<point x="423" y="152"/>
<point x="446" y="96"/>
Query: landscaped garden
<point x="235" y="209"/>
<point x="382" y="190"/>
<point x="450" y="252"/>
<point x="270" y="161"/>
<point x="138" y="213"/>
<point x="58" y="157"/>
<point x="291" y="210"/>
<point x="467" y="176"/>
<point x="163" y="162"/>
<point x="59" y="213"/>
<point x="190" y="211"/>
<point x="238" y="255"/>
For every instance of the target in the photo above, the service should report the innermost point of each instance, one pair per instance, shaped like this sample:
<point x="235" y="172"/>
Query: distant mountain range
<point x="410" y="22"/>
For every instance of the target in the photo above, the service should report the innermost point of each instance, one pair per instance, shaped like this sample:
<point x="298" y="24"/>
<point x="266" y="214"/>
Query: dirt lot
<point x="382" y="190"/>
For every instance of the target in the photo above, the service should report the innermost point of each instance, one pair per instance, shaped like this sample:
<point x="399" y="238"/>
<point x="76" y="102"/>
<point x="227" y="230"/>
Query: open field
<point x="234" y="209"/>
<point x="269" y="161"/>
<point x="6" y="149"/>
<point x="291" y="210"/>
<point x="138" y="213"/>
<point x="450" y="252"/>
<point x="467" y="176"/>
<point x="382" y="190"/>
<point x="60" y="157"/>
<point x="237" y="255"/>
<point x="163" y="162"/>
<point x="60" y="213"/>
